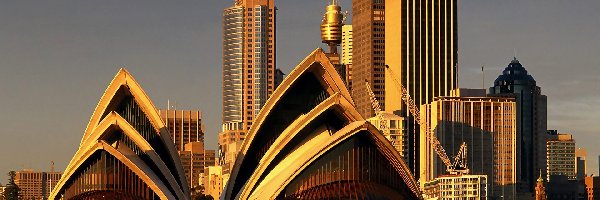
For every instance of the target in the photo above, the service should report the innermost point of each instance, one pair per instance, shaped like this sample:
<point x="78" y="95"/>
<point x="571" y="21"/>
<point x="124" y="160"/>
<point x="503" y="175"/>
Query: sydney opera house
<point x="307" y="142"/>
<point x="125" y="153"/>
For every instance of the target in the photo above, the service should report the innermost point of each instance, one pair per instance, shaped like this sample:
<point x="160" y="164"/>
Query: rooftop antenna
<point x="483" y="78"/>
<point x="52" y="166"/>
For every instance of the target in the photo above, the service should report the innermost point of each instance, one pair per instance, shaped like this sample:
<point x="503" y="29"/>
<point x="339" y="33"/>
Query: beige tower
<point x="488" y="126"/>
<point x="248" y="65"/>
<point x="368" y="49"/>
<point x="420" y="48"/>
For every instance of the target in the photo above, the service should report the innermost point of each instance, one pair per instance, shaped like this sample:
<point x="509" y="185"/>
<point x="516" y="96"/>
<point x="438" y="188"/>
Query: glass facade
<point x="233" y="76"/>
<point x="104" y="177"/>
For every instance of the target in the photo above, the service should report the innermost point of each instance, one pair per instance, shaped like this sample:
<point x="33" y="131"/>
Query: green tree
<point x="198" y="194"/>
<point x="11" y="192"/>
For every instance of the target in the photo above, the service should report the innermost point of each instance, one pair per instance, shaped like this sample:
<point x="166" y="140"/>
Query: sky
<point x="58" y="57"/>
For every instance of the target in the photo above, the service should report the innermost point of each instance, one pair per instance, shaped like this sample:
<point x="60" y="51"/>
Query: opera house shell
<point x="309" y="142"/>
<point x="125" y="152"/>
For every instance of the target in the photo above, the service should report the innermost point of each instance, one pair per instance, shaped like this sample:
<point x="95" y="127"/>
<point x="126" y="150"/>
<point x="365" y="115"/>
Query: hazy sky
<point x="58" y="57"/>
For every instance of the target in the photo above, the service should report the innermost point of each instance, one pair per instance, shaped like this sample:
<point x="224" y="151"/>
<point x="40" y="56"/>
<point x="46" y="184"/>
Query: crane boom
<point x="377" y="108"/>
<point x="414" y="110"/>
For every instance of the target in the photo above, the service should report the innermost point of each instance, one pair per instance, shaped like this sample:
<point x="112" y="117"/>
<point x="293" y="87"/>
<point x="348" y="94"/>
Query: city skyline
<point x="55" y="62"/>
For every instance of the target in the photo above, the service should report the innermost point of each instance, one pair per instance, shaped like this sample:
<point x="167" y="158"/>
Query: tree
<point x="11" y="192"/>
<point x="198" y="194"/>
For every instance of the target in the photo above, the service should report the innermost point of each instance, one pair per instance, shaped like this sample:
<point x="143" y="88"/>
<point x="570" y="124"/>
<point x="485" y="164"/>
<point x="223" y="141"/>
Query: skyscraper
<point x="516" y="82"/>
<point x="561" y="157"/>
<point x="368" y="61"/>
<point x="248" y="64"/>
<point x="421" y="48"/>
<point x="187" y="133"/>
<point x="487" y="125"/>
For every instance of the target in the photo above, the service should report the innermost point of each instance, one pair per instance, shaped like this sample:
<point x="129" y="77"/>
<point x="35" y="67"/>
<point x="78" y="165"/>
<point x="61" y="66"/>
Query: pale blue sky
<point x="57" y="57"/>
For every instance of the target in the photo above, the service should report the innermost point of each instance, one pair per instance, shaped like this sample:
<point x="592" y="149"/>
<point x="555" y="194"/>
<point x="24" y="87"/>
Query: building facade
<point x="421" y="50"/>
<point x="185" y="126"/>
<point x="451" y="187"/>
<point x="347" y="53"/>
<point x="487" y="125"/>
<point x="314" y="144"/>
<point x="516" y="82"/>
<point x="368" y="53"/>
<point x="126" y="151"/>
<point x="187" y="133"/>
<point x="214" y="180"/>
<point x="561" y="157"/>
<point x="395" y="132"/>
<point x="36" y="185"/>
<point x="592" y="187"/>
<point x="248" y="64"/>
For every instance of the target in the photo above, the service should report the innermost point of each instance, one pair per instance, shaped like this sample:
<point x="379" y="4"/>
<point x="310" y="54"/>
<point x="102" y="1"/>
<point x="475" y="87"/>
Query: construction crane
<point x="383" y="123"/>
<point x="459" y="166"/>
<point x="377" y="108"/>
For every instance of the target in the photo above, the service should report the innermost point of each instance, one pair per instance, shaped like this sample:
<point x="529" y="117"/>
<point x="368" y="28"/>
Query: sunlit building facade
<point x="488" y="126"/>
<point x="394" y="132"/>
<point x="187" y="132"/>
<point x="309" y="141"/>
<point x="248" y="65"/>
<point x="368" y="53"/>
<point x="456" y="187"/>
<point x="34" y="184"/>
<point x="421" y="49"/>
<point x="126" y="151"/>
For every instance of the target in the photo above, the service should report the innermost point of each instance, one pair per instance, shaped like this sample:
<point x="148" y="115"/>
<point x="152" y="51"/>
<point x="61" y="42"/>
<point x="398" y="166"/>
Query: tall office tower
<point x="347" y="53"/>
<point x="368" y="49"/>
<point x="248" y="64"/>
<point x="187" y="133"/>
<point x="581" y="163"/>
<point x="487" y="125"/>
<point x="531" y="120"/>
<point x="36" y="185"/>
<point x="592" y="187"/>
<point x="561" y="157"/>
<point x="421" y="49"/>
<point x="185" y="126"/>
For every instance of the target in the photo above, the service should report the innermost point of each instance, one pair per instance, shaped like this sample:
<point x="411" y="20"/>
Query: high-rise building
<point x="450" y="187"/>
<point x="185" y="126"/>
<point x="347" y="53"/>
<point x="421" y="49"/>
<point x="347" y="44"/>
<point x="187" y="133"/>
<point x="561" y="157"/>
<point x="368" y="53"/>
<point x="395" y="132"/>
<point x="581" y="163"/>
<point x="487" y="125"/>
<point x="516" y="82"/>
<point x="36" y="185"/>
<point x="248" y="64"/>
